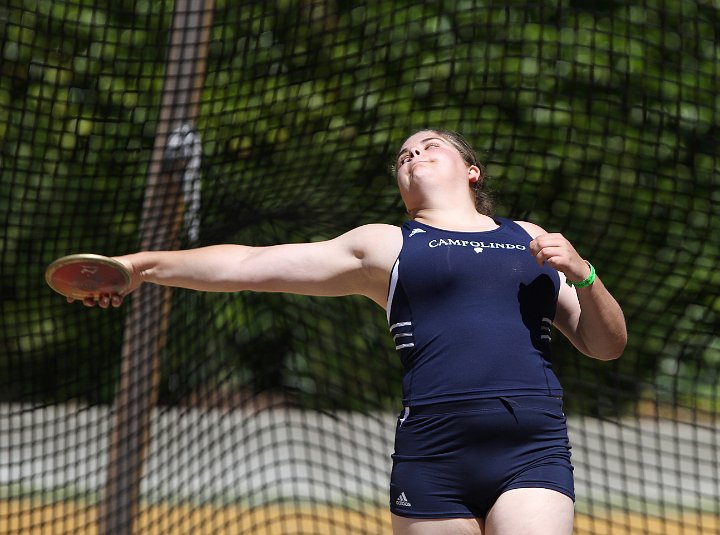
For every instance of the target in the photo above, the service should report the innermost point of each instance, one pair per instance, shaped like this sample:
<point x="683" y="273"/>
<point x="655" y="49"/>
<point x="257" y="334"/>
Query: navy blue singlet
<point x="471" y="315"/>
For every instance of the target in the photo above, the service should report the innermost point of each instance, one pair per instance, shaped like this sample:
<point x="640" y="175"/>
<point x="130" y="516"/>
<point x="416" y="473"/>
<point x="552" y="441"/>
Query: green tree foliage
<point x="598" y="120"/>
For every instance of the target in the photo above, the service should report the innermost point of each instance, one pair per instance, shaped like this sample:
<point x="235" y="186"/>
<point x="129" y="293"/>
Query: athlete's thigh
<point x="527" y="511"/>
<point x="440" y="526"/>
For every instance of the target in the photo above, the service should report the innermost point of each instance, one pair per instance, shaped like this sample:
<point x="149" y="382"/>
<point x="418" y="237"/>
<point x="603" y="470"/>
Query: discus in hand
<point x="80" y="276"/>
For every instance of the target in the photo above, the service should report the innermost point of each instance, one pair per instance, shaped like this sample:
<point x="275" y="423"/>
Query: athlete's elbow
<point x="608" y="355"/>
<point x="611" y="349"/>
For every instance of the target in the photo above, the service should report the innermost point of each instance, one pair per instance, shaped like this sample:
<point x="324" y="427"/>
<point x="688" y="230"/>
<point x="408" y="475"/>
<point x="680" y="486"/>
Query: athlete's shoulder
<point x="376" y="240"/>
<point x="373" y="234"/>
<point x="376" y="229"/>
<point x="531" y="228"/>
<point x="377" y="246"/>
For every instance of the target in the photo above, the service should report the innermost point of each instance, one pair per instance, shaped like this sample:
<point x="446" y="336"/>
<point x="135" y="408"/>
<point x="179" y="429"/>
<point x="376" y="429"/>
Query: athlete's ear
<point x="474" y="174"/>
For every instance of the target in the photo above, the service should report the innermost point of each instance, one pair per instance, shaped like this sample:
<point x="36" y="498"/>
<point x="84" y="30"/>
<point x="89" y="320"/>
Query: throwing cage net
<point x="129" y="124"/>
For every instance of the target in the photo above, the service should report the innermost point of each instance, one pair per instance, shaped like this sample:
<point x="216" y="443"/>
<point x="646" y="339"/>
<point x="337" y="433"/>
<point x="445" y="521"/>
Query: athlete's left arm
<point x="589" y="317"/>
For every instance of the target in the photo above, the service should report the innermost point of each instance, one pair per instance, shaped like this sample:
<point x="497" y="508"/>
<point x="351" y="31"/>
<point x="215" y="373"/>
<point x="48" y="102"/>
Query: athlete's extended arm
<point x="589" y="317"/>
<point x="357" y="262"/>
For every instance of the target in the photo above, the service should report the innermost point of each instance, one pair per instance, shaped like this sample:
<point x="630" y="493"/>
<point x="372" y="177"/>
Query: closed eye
<point x="405" y="156"/>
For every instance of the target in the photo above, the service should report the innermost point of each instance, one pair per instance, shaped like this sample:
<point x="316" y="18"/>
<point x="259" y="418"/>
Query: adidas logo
<point x="416" y="231"/>
<point x="403" y="501"/>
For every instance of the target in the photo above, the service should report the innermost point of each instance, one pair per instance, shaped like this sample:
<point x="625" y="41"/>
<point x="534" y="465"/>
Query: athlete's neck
<point x="454" y="220"/>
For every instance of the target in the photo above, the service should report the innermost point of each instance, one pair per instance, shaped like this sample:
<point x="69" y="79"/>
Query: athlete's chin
<point x="419" y="167"/>
<point x="421" y="175"/>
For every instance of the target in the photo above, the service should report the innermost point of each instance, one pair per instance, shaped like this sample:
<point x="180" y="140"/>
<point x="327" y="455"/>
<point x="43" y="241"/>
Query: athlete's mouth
<point x="413" y="164"/>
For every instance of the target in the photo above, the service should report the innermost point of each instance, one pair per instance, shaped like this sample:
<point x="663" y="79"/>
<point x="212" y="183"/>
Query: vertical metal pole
<point x="147" y="321"/>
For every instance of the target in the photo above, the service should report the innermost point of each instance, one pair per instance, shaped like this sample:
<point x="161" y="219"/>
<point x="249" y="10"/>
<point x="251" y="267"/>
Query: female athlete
<point x="481" y="444"/>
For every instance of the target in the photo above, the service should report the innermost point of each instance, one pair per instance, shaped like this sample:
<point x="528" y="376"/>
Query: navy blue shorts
<point x="453" y="460"/>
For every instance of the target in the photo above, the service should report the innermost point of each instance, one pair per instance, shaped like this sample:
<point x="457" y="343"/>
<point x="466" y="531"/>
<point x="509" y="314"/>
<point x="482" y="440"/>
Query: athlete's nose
<point x="414" y="151"/>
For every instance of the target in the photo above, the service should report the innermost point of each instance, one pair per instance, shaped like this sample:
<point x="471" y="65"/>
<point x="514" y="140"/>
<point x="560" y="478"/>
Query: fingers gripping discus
<point x="79" y="276"/>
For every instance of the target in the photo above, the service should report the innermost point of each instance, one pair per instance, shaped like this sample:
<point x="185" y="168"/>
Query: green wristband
<point x="584" y="283"/>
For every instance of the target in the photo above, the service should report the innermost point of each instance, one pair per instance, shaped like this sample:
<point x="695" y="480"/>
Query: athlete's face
<point x="428" y="163"/>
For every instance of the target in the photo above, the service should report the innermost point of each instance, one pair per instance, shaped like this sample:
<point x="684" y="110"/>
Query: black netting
<point x="271" y="413"/>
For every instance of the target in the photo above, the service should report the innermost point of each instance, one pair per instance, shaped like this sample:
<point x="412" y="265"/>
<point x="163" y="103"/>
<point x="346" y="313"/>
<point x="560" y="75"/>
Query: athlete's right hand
<point x="115" y="299"/>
